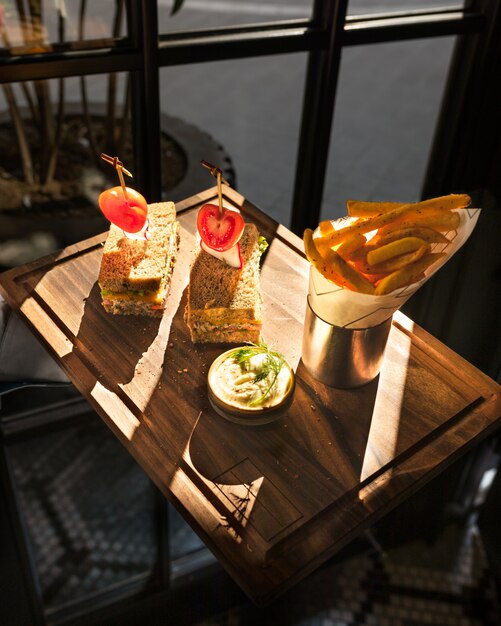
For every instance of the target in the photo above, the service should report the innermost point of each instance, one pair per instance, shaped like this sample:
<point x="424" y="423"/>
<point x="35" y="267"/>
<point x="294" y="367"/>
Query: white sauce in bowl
<point x="243" y="385"/>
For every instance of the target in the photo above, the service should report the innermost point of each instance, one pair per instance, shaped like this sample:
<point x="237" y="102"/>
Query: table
<point x="272" y="502"/>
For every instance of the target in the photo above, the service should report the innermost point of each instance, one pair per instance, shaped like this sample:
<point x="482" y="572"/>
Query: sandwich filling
<point x="155" y="299"/>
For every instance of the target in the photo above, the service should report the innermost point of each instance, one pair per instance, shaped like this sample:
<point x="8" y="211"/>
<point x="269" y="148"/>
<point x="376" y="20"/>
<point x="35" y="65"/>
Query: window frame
<point x="144" y="52"/>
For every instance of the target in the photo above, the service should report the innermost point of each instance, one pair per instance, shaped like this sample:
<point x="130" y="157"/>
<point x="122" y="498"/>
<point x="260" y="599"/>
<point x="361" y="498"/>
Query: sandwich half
<point x="135" y="275"/>
<point x="224" y="303"/>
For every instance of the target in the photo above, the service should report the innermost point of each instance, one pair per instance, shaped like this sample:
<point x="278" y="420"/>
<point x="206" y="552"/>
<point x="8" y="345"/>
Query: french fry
<point x="445" y="203"/>
<point x="323" y="246"/>
<point x="364" y="209"/>
<point x="351" y="245"/>
<point x="392" y="232"/>
<point x="418" y="210"/>
<point x="407" y="275"/>
<point x="395" y="263"/>
<point x="334" y="268"/>
<point x="361" y="208"/>
<point x="312" y="253"/>
<point x="395" y="248"/>
<point x="325" y="228"/>
<point x="443" y="222"/>
<point x="362" y="226"/>
<point x="375" y="278"/>
<point x="337" y="270"/>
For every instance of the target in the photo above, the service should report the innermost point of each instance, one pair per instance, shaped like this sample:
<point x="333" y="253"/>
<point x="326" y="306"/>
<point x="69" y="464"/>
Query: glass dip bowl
<point x="250" y="392"/>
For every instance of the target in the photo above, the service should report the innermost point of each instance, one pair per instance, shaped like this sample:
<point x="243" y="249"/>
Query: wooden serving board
<point x="272" y="502"/>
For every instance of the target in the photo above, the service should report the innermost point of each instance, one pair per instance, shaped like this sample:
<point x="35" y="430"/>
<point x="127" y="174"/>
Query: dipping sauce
<point x="247" y="384"/>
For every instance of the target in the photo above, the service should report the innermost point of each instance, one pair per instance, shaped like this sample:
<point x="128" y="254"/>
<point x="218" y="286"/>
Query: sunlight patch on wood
<point x="121" y="416"/>
<point x="385" y="422"/>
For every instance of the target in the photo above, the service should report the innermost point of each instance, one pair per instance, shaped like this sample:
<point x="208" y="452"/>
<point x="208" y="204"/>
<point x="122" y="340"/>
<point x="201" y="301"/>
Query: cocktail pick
<point x="218" y="174"/>
<point x="119" y="166"/>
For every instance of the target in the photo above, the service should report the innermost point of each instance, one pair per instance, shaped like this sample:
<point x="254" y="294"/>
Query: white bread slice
<point x="224" y="302"/>
<point x="135" y="275"/>
<point x="132" y="264"/>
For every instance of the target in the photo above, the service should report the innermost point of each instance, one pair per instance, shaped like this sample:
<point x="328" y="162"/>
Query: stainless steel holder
<point x="343" y="357"/>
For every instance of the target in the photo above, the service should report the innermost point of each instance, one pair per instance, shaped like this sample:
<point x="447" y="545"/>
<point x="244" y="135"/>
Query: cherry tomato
<point x="128" y="214"/>
<point x="219" y="232"/>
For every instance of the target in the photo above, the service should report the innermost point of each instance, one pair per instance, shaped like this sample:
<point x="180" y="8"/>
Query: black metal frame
<point x="466" y="157"/>
<point x="323" y="36"/>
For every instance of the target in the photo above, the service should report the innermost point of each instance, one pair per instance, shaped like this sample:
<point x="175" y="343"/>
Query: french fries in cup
<point x="366" y="265"/>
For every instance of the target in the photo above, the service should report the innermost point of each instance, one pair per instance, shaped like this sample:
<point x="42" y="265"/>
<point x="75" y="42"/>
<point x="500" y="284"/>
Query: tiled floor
<point x="446" y="584"/>
<point x="89" y="511"/>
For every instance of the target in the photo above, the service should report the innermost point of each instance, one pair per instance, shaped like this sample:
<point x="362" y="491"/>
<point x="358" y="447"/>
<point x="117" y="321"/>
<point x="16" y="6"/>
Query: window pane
<point x="50" y="171"/>
<point x="387" y="107"/>
<point x="252" y="108"/>
<point x="195" y="14"/>
<point x="358" y="7"/>
<point x="28" y="29"/>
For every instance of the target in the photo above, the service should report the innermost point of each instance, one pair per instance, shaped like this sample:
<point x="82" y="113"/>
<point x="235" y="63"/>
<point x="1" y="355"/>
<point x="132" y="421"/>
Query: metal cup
<point x="342" y="357"/>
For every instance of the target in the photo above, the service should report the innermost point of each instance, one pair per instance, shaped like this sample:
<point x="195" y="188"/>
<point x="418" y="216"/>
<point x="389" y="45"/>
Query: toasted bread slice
<point x="224" y="303"/>
<point x="135" y="275"/>
<point x="132" y="264"/>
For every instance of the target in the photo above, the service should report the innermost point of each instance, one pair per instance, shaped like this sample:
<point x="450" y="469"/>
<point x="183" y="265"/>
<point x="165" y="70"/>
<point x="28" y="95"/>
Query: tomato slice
<point x="129" y="214"/>
<point x="219" y="232"/>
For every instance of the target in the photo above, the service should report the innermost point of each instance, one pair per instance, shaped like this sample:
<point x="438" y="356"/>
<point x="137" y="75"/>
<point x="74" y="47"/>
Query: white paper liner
<point x="350" y="309"/>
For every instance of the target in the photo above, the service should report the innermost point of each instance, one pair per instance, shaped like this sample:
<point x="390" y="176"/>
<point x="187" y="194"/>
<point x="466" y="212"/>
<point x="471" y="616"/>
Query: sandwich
<point x="135" y="274"/>
<point x="224" y="302"/>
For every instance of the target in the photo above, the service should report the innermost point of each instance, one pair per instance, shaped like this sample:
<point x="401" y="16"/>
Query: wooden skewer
<point x="216" y="171"/>
<point x="119" y="166"/>
<point x="116" y="163"/>
<point x="122" y="182"/>
<point x="219" y="193"/>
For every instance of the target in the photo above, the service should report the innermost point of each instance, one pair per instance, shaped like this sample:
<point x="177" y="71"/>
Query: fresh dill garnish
<point x="271" y="366"/>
